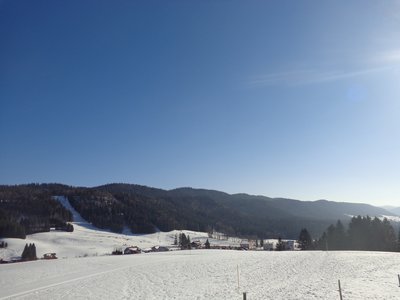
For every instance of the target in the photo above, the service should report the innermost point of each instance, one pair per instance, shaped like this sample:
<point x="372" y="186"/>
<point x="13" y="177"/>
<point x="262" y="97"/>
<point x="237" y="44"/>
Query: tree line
<point x="147" y="210"/>
<point x="26" y="209"/>
<point x="362" y="233"/>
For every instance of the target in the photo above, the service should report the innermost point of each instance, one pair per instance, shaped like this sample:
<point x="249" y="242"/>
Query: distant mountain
<point x="145" y="209"/>
<point x="393" y="209"/>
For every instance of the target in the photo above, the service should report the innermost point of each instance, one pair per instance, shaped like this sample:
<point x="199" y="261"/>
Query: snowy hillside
<point x="143" y="209"/>
<point x="87" y="240"/>
<point x="207" y="274"/>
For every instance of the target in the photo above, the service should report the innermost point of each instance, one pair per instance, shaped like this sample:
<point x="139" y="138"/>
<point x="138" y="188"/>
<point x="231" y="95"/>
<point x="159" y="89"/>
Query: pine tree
<point x="184" y="241"/>
<point x="176" y="239"/>
<point x="389" y="236"/>
<point x="30" y="252"/>
<point x="280" y="246"/>
<point x="340" y="236"/>
<point x="207" y="244"/>
<point x="305" y="240"/>
<point x="180" y="239"/>
<point x="398" y="241"/>
<point x="24" y="254"/>
<point x="322" y="243"/>
<point x="33" y="252"/>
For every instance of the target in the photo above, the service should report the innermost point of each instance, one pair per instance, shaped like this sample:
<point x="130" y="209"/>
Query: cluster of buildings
<point x="255" y="245"/>
<point x="137" y="250"/>
<point x="221" y="241"/>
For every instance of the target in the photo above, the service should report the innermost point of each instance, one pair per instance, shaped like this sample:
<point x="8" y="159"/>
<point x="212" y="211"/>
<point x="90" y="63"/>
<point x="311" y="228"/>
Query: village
<point x="173" y="241"/>
<point x="215" y="240"/>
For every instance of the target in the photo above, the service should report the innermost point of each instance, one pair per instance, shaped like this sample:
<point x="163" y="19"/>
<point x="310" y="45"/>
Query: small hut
<point x="49" y="256"/>
<point x="132" y="250"/>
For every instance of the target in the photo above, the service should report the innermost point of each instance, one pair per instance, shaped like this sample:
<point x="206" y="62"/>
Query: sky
<point x="296" y="99"/>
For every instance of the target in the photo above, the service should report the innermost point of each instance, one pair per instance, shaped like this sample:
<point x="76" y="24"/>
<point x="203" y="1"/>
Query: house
<point x="268" y="246"/>
<point x="49" y="256"/>
<point x="132" y="250"/>
<point x="244" y="244"/>
<point x="289" y="244"/>
<point x="253" y="244"/>
<point x="195" y="245"/>
<point x="218" y="235"/>
<point x="159" y="249"/>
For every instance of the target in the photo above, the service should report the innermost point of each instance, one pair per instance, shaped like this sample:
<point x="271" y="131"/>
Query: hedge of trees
<point x="29" y="252"/>
<point x="362" y="233"/>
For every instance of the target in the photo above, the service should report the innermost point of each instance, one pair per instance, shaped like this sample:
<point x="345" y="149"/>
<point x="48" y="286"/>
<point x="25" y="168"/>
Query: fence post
<point x="398" y="275"/>
<point x="244" y="295"/>
<point x="340" y="291"/>
<point x="238" y="278"/>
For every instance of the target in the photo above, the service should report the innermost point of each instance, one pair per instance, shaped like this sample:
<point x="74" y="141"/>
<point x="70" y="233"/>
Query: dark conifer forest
<point x="26" y="209"/>
<point x="362" y="233"/>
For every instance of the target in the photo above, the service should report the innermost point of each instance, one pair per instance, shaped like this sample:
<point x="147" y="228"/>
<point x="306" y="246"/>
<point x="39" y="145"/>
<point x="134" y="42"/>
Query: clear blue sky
<point x="295" y="99"/>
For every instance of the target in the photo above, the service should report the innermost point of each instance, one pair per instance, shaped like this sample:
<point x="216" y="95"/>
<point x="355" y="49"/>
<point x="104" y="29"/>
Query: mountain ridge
<point x="145" y="209"/>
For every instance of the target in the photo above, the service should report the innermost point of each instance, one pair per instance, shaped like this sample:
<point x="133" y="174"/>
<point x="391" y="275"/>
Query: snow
<point x="87" y="240"/>
<point x="207" y="274"/>
<point x="395" y="219"/>
<point x="391" y="218"/>
<point x="89" y="273"/>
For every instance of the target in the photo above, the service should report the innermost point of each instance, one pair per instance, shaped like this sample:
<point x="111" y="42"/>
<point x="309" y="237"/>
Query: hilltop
<point x="142" y="209"/>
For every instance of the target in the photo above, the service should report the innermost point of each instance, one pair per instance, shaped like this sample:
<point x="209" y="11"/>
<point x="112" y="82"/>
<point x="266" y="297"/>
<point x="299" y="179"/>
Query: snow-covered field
<point x="87" y="272"/>
<point x="207" y="274"/>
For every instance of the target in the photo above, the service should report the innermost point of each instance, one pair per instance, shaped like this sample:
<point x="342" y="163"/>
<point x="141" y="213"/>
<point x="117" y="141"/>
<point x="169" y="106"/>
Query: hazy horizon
<point x="277" y="98"/>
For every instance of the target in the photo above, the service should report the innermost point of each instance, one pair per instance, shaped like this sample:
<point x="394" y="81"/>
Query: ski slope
<point x="88" y="240"/>
<point x="207" y="274"/>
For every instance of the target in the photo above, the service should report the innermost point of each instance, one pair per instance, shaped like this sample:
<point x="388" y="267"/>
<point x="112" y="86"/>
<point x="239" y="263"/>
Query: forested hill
<point x="145" y="209"/>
